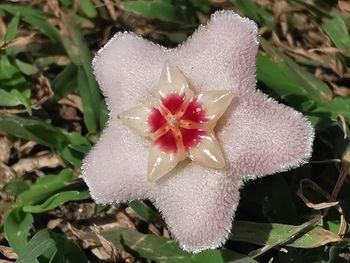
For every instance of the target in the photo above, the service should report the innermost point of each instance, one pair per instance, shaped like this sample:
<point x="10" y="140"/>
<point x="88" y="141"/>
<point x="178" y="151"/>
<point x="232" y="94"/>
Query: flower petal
<point x="109" y="169"/>
<point x="198" y="205"/>
<point x="261" y="136"/>
<point x="136" y="119"/>
<point x="215" y="103"/>
<point x="222" y="54"/>
<point x="161" y="163"/>
<point x="208" y="152"/>
<point x="127" y="69"/>
<point x="172" y="81"/>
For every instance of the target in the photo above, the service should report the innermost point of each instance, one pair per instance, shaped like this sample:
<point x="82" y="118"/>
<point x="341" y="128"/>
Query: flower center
<point x="173" y="122"/>
<point x="177" y="124"/>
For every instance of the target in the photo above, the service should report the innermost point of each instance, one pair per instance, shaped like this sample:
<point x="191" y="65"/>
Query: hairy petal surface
<point x="262" y="137"/>
<point x="127" y="68"/>
<point x="116" y="168"/>
<point x="198" y="205"/>
<point x="222" y="54"/>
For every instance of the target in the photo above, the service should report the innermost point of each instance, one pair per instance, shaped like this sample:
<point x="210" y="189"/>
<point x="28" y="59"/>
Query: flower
<point x="179" y="123"/>
<point x="257" y="135"/>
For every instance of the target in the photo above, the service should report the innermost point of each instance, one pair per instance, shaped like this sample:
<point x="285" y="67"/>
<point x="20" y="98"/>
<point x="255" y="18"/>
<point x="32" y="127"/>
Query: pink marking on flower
<point x="191" y="137"/>
<point x="156" y="120"/>
<point x="173" y="102"/>
<point x="195" y="112"/>
<point x="167" y="142"/>
<point x="181" y="123"/>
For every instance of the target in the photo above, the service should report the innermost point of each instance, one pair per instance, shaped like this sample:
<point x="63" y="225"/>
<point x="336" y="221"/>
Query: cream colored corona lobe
<point x="179" y="121"/>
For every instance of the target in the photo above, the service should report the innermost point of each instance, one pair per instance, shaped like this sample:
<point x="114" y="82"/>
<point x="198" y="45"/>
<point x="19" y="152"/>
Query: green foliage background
<point x="273" y="224"/>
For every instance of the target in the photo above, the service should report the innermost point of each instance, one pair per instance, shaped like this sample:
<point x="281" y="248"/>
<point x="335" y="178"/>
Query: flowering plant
<point x="198" y="100"/>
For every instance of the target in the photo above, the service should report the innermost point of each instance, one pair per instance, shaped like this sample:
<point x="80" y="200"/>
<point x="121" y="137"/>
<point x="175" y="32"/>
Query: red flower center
<point x="177" y="124"/>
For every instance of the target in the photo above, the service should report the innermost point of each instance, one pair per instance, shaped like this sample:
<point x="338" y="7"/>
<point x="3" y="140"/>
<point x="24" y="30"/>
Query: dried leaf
<point x="5" y="149"/>
<point x="8" y="252"/>
<point x="39" y="161"/>
<point x="308" y="184"/>
<point x="54" y="223"/>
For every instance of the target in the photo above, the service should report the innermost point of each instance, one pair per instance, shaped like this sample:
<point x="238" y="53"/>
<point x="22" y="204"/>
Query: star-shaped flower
<point x="179" y="123"/>
<point x="257" y="135"/>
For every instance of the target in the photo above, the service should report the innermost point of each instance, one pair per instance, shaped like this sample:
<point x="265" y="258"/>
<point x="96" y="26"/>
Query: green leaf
<point x="57" y="200"/>
<point x="35" y="18"/>
<point x="93" y="102"/>
<point x="24" y="98"/>
<point x="79" y="143"/>
<point x="272" y="234"/>
<point x="37" y="246"/>
<point x="145" y="212"/>
<point x="163" y="250"/>
<point x="45" y="134"/>
<point x="71" y="156"/>
<point x="14" y="89"/>
<point x="45" y="187"/>
<point x="32" y="129"/>
<point x="7" y="70"/>
<point x="26" y="68"/>
<point x="39" y="19"/>
<point x="289" y="80"/>
<point x="99" y="208"/>
<point x="158" y="9"/>
<point x="151" y="247"/>
<point x="256" y="12"/>
<point x="67" y="250"/>
<point x="8" y="99"/>
<point x="66" y="3"/>
<point x="332" y="226"/>
<point x="337" y="30"/>
<point x="16" y="228"/>
<point x="220" y="256"/>
<point x="65" y="82"/>
<point x="87" y="93"/>
<point x="88" y="8"/>
<point x="15" y="187"/>
<point x="339" y="105"/>
<point x="76" y="150"/>
<point x="52" y="246"/>
<point x="12" y="28"/>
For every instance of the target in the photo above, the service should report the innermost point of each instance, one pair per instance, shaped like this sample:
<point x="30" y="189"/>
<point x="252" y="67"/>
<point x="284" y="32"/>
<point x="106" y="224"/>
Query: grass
<point x="52" y="112"/>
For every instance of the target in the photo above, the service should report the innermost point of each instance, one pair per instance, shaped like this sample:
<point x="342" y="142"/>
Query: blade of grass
<point x="88" y="8"/>
<point x="160" y="9"/>
<point x="45" y="187"/>
<point x="56" y="200"/>
<point x="337" y="30"/>
<point x="45" y="134"/>
<point x="285" y="77"/>
<point x="16" y="228"/>
<point x="256" y="12"/>
<point x="11" y="31"/>
<point x="92" y="101"/>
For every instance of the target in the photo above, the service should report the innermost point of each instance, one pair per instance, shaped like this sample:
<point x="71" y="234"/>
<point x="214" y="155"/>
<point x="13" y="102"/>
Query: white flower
<point x="257" y="135"/>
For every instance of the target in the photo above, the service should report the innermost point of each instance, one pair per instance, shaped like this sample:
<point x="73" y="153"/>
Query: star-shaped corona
<point x="179" y="123"/>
